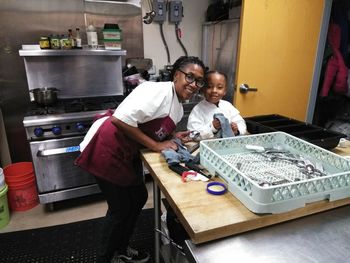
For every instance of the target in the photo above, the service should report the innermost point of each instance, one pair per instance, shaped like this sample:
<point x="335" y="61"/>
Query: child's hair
<point x="213" y="72"/>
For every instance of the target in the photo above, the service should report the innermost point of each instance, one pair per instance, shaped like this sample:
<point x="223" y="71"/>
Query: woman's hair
<point x="213" y="72"/>
<point x="184" y="61"/>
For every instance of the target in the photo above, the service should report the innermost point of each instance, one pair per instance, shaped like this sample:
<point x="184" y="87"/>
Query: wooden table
<point x="209" y="217"/>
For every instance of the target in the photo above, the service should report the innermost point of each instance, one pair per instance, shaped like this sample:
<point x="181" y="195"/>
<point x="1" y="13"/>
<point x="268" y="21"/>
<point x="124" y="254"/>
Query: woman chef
<point x="147" y="117"/>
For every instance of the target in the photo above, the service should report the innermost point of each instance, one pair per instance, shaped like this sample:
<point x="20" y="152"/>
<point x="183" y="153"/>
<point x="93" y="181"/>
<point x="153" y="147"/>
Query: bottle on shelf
<point x="71" y="38"/>
<point x="92" y="37"/>
<point x="78" y="39"/>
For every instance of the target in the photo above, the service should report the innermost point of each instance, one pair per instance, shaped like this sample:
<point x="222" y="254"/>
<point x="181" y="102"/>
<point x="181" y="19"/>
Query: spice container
<point x="44" y="43"/>
<point x="55" y="42"/>
<point x="65" y="42"/>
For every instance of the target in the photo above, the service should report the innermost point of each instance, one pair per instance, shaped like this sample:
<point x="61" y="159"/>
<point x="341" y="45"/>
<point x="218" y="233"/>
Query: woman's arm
<point x="137" y="135"/>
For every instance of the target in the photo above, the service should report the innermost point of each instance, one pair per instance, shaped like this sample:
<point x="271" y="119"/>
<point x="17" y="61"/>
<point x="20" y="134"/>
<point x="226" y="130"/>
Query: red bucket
<point x="22" y="192"/>
<point x="23" y="196"/>
<point x="17" y="172"/>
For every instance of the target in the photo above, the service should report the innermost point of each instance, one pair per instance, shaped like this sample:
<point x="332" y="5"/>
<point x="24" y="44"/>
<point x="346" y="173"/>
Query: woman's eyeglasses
<point x="190" y="78"/>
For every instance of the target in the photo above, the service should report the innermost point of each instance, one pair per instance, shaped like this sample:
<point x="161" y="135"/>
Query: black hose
<point x="179" y="40"/>
<point x="164" y="42"/>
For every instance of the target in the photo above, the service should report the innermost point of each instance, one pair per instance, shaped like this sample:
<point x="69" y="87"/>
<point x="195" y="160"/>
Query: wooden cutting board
<point x="208" y="217"/>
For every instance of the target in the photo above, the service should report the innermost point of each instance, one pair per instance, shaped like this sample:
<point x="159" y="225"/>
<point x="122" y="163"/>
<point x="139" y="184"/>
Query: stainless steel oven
<point x="57" y="177"/>
<point x="54" y="134"/>
<point x="89" y="81"/>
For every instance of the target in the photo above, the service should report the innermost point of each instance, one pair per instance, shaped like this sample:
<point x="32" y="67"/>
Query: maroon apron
<point x="114" y="157"/>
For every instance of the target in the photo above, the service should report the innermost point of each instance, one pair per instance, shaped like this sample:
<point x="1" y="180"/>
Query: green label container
<point x="4" y="209"/>
<point x="112" y="34"/>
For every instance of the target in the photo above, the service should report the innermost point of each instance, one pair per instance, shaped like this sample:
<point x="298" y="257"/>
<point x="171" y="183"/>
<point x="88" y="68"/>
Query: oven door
<point x="53" y="162"/>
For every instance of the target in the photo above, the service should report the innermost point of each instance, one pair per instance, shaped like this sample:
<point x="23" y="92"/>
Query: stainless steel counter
<point x="323" y="237"/>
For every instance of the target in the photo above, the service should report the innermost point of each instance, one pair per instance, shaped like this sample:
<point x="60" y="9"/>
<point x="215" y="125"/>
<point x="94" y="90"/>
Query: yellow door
<point x="277" y="53"/>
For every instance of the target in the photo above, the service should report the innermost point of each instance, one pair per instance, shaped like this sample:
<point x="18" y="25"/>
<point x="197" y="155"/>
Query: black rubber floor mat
<point x="74" y="242"/>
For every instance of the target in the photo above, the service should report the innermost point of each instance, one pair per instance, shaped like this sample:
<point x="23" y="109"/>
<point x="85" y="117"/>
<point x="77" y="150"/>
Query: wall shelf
<point x="71" y="52"/>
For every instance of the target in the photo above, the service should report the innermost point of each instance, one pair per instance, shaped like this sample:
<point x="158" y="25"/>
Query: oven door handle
<point x="64" y="150"/>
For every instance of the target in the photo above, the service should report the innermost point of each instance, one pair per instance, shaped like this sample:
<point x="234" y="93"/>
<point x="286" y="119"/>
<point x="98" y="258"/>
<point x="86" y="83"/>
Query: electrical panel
<point x="159" y="7"/>
<point x="175" y="11"/>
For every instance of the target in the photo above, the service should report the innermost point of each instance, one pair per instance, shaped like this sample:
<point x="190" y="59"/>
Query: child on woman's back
<point x="202" y="118"/>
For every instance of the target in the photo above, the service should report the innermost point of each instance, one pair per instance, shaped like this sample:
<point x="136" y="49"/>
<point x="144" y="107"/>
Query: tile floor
<point x="63" y="212"/>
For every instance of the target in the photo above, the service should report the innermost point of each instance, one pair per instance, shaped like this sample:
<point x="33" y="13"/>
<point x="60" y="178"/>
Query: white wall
<point x="191" y="27"/>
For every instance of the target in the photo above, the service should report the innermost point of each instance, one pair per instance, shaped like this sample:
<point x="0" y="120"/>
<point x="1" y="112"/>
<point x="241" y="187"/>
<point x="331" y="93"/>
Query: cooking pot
<point x="45" y="96"/>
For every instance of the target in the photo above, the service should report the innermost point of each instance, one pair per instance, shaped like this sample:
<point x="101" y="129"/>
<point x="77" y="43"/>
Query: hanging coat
<point x="336" y="71"/>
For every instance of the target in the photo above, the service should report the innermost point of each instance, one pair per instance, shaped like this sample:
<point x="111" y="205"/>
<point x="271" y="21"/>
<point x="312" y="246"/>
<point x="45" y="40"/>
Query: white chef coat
<point x="148" y="101"/>
<point x="201" y="118"/>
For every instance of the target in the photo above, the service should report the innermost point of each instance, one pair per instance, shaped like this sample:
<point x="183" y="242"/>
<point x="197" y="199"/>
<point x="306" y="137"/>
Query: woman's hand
<point x="234" y="128"/>
<point x="137" y="135"/>
<point x="168" y="144"/>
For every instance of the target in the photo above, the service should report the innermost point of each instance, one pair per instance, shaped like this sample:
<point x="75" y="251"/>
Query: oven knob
<point x="56" y="130"/>
<point x="80" y="127"/>
<point x="39" y="132"/>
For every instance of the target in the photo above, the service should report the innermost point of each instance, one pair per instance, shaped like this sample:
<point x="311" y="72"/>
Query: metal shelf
<point x="71" y="52"/>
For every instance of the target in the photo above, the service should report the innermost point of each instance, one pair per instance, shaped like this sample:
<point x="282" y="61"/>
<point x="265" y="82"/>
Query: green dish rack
<point x="275" y="186"/>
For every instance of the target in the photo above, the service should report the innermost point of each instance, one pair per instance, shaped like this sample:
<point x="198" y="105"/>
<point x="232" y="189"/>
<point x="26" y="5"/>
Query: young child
<point x="202" y="119"/>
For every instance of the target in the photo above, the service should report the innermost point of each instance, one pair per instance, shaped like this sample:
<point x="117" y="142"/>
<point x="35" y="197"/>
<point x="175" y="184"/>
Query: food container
<point x="65" y="42"/>
<point x="112" y="44"/>
<point x="264" y="185"/>
<point x="55" y="42"/>
<point x="2" y="179"/>
<point x="112" y="34"/>
<point x="44" y="43"/>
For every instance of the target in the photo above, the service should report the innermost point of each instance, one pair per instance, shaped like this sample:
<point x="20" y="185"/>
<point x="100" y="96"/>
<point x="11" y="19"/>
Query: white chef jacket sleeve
<point x="148" y="101"/>
<point x="91" y="132"/>
<point x="235" y="116"/>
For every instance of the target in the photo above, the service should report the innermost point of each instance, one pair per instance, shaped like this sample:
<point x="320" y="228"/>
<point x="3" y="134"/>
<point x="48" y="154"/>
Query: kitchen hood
<point x="113" y="7"/>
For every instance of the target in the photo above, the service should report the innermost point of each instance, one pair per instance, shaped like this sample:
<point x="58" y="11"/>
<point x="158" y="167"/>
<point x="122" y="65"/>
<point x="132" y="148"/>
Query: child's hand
<point x="216" y="124"/>
<point x="234" y="128"/>
<point x="183" y="136"/>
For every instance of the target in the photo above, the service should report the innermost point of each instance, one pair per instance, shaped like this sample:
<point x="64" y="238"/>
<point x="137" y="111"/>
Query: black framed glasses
<point x="190" y="78"/>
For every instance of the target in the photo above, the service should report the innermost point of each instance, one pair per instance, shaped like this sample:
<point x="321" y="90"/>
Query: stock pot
<point x="45" y="96"/>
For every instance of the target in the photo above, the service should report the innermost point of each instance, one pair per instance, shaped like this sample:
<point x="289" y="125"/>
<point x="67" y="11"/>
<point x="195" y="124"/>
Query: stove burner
<point x="75" y="105"/>
<point x="35" y="109"/>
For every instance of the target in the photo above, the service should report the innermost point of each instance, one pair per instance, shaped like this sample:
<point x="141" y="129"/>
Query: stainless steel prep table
<point x="323" y="237"/>
<point x="213" y="222"/>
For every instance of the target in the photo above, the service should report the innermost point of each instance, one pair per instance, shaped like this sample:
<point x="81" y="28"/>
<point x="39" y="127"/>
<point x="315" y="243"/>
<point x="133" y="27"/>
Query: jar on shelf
<point x="44" y="43"/>
<point x="65" y="42"/>
<point x="55" y="42"/>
